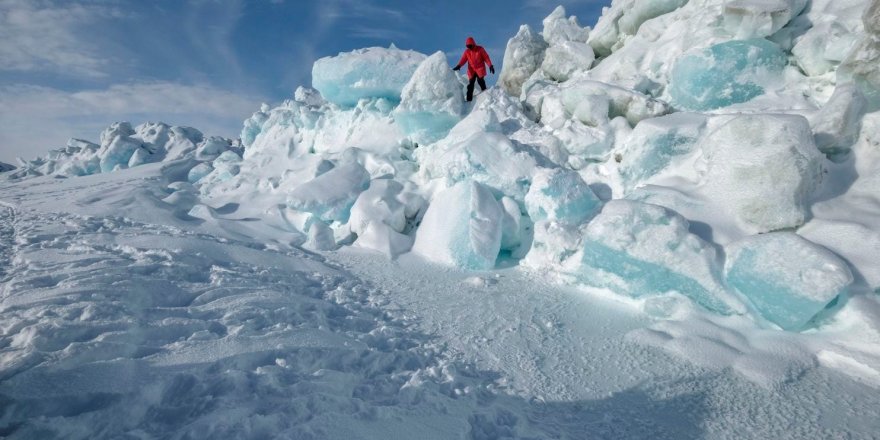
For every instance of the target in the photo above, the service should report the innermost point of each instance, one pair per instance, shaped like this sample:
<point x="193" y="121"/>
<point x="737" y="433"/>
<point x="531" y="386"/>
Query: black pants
<point x="470" y="89"/>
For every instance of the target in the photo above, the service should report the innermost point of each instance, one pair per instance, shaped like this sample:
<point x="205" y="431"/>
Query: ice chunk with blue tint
<point x="759" y="18"/>
<point x="117" y="147"/>
<point x="786" y="278"/>
<point x="332" y="194"/>
<point x="199" y="171"/>
<point x="641" y="249"/>
<point x="462" y="227"/>
<point x="374" y="72"/>
<point x="561" y="195"/>
<point x="431" y="102"/>
<point x="655" y="143"/>
<point x="727" y="73"/>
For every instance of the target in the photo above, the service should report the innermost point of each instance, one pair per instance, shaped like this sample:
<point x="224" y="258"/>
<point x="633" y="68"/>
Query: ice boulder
<point x="726" y="73"/>
<point x="641" y="249"/>
<point x="522" y="57"/>
<point x="331" y="195"/>
<point x="486" y="157"/>
<point x="117" y="146"/>
<point x="199" y="171"/>
<point x="763" y="169"/>
<point x="4" y="167"/>
<point x="223" y="168"/>
<point x="561" y="195"/>
<point x="431" y="102"/>
<point x="381" y="215"/>
<point x="655" y="144"/>
<point x="630" y="104"/>
<point x="759" y="18"/>
<point x="462" y="227"/>
<point x="562" y="60"/>
<point x="373" y="72"/>
<point x="212" y="147"/>
<point x="862" y="68"/>
<point x="559" y="29"/>
<point x="624" y="18"/>
<point x="823" y="47"/>
<point x="836" y="126"/>
<point x="785" y="277"/>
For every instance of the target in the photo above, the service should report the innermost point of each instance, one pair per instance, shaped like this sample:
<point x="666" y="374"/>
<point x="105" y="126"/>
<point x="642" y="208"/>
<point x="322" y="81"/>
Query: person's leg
<point x="470" y="88"/>
<point x="482" y="83"/>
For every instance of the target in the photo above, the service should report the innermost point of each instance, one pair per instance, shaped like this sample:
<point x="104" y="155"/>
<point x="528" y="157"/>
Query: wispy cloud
<point x="35" y="118"/>
<point x="39" y="35"/>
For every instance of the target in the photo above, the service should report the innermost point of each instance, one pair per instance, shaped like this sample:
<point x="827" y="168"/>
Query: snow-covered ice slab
<point x="762" y="168"/>
<point x="431" y="102"/>
<point x="374" y="72"/>
<point x="726" y="73"/>
<point x="786" y="278"/>
<point x="640" y="249"/>
<point x="562" y="196"/>
<point x="656" y="143"/>
<point x="332" y="194"/>
<point x="759" y="18"/>
<point x="462" y="227"/>
<point x="522" y="57"/>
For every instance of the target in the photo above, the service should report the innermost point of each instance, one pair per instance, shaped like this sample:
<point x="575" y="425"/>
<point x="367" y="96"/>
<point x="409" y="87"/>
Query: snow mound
<point x="374" y="72"/>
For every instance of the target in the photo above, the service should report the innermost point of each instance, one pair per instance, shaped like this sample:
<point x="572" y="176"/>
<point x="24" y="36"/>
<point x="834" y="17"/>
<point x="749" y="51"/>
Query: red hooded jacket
<point x="476" y="58"/>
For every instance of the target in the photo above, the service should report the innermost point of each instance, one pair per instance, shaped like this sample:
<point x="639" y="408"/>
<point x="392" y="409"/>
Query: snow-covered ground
<point x="120" y="319"/>
<point x="666" y="226"/>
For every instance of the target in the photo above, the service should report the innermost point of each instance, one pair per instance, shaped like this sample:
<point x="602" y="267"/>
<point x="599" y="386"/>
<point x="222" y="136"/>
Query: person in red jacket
<point x="476" y="58"/>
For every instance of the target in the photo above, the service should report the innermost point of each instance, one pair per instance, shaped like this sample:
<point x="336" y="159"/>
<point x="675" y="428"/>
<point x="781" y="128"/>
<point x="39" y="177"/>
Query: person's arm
<point x="488" y="60"/>
<point x="461" y="61"/>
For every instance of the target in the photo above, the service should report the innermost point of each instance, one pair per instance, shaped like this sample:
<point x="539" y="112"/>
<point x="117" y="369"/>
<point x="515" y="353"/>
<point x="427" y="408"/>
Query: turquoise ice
<point x="727" y="73"/>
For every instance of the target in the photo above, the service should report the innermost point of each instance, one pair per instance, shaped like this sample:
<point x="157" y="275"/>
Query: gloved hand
<point x="456" y="68"/>
<point x="492" y="69"/>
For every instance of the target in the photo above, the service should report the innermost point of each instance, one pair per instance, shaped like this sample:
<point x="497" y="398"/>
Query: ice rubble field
<point x="667" y="226"/>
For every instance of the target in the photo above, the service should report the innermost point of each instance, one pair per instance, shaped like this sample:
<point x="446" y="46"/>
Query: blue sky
<point x="68" y="68"/>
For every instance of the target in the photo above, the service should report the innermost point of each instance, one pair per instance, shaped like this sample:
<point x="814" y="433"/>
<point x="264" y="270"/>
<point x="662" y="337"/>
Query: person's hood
<point x="470" y="40"/>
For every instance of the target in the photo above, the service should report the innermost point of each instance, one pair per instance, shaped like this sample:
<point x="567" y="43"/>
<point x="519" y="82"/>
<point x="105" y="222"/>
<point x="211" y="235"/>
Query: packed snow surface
<point x="663" y="226"/>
